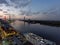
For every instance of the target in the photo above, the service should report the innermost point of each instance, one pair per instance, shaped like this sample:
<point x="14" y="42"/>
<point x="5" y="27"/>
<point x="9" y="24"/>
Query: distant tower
<point x="24" y="20"/>
<point x="5" y="18"/>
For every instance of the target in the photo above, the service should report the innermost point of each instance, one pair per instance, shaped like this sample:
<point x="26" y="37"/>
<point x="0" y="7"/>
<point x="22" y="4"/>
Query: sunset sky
<point x="34" y="9"/>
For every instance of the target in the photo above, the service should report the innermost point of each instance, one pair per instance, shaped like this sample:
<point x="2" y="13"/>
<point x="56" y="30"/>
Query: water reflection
<point x="48" y="32"/>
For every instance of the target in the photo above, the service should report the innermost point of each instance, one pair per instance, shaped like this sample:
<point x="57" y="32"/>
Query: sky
<point x="33" y="9"/>
<point x="43" y="5"/>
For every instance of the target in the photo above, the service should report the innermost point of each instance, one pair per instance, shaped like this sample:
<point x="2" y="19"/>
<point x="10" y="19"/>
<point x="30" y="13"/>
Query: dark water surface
<point x="48" y="32"/>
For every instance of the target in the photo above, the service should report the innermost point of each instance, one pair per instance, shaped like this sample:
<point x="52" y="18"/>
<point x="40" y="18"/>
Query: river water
<point x="47" y="32"/>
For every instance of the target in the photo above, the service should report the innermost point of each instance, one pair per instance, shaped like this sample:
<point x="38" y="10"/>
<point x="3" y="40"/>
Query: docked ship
<point x="37" y="40"/>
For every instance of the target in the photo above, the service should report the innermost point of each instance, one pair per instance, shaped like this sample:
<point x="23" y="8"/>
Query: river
<point x="48" y="32"/>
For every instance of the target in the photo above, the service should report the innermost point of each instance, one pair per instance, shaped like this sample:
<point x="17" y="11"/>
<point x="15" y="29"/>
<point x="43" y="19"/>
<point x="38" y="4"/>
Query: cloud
<point x="13" y="6"/>
<point x="18" y="3"/>
<point x="3" y="1"/>
<point x="15" y="3"/>
<point x="1" y="10"/>
<point x="53" y="14"/>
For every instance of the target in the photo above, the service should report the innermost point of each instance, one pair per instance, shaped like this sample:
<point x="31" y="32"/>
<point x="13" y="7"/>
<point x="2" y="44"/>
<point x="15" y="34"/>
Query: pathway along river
<point x="48" y="32"/>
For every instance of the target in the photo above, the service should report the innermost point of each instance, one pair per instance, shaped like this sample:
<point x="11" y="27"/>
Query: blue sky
<point x="43" y="5"/>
